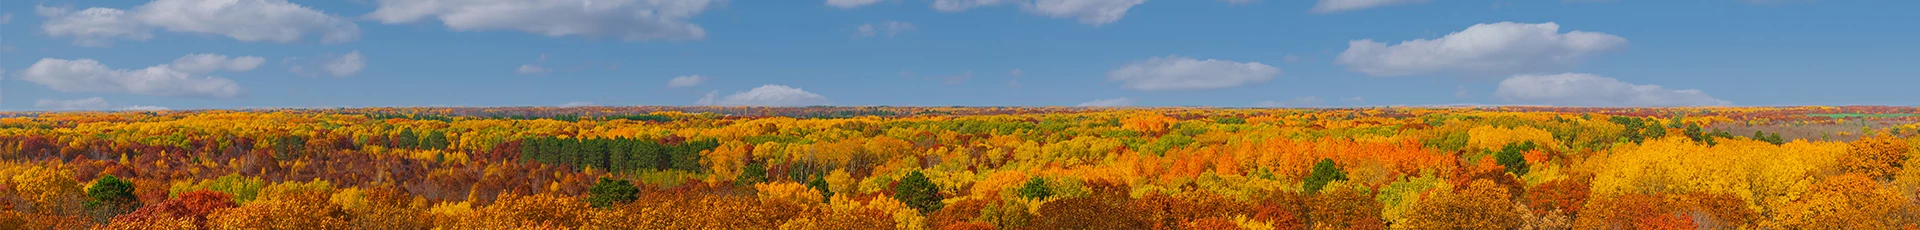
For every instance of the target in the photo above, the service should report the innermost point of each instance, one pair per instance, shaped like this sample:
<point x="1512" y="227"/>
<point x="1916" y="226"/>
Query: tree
<point x="1323" y="173"/>
<point x="1035" y="188"/>
<point x="609" y="192"/>
<point x="918" y="192"/>
<point x="407" y="139"/>
<point x="1878" y="157"/>
<point x="820" y="183"/>
<point x="1512" y="157"/>
<point x="754" y="172"/>
<point x="110" y="196"/>
<point x="1482" y="205"/>
<point x="435" y="140"/>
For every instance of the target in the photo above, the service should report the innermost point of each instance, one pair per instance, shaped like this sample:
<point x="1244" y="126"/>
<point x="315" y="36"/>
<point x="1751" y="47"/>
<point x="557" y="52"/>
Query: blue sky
<point x="60" y="55"/>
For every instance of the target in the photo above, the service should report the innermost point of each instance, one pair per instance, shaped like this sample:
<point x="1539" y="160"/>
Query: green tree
<point x="111" y="196"/>
<point x="435" y="140"/>
<point x="754" y="172"/>
<point x="609" y="192"/>
<point x="407" y="139"/>
<point x="1323" y="173"/>
<point x="918" y="192"/>
<point x="1513" y="157"/>
<point x="1035" y="188"/>
<point x="820" y="183"/>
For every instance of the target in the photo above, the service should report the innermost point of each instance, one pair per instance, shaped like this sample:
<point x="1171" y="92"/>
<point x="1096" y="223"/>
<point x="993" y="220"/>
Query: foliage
<point x="1323" y="173"/>
<point x="961" y="168"/>
<point x="610" y="192"/>
<point x="918" y="192"/>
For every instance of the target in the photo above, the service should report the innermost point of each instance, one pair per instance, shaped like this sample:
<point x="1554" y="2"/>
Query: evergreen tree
<point x="1323" y="173"/>
<point x="608" y="192"/>
<point x="918" y="192"/>
<point x="110" y="196"/>
<point x="1035" y="188"/>
<point x="407" y="139"/>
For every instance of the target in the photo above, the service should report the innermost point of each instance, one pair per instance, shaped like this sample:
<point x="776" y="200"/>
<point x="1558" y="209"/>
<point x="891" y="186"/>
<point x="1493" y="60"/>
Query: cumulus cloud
<point x="850" y="4"/>
<point x="1334" y="6"/>
<point x="347" y="65"/>
<point x="767" y="95"/>
<point x="891" y="28"/>
<point x="629" y="20"/>
<point x="1496" y="49"/>
<point x="207" y="63"/>
<point x="1306" y="101"/>
<point x="93" y="103"/>
<point x="1090" y="12"/>
<point x="1578" y="89"/>
<point x="88" y="75"/>
<point x="685" y="81"/>
<point x="245" y="20"/>
<point x="1115" y="102"/>
<point x="1184" y="73"/>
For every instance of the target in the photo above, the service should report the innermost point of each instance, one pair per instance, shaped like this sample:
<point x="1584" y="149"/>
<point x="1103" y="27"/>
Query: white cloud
<point x="767" y="95"/>
<point x="1496" y="49"/>
<point x="1353" y="99"/>
<point x="347" y="65"/>
<point x="576" y="104"/>
<point x="531" y="69"/>
<point x="1306" y="101"/>
<point x="93" y="103"/>
<point x="144" y="108"/>
<point x="87" y="75"/>
<point x="6" y="18"/>
<point x="244" y="20"/>
<point x="1184" y="73"/>
<point x="1090" y="12"/>
<point x="629" y="20"/>
<point x="709" y="98"/>
<point x="1334" y="6"/>
<point x="1115" y="102"/>
<point x="1239" y="2"/>
<point x="685" y="81"/>
<point x="1578" y="89"/>
<point x="891" y="28"/>
<point x="207" y="63"/>
<point x="95" y="27"/>
<point x="850" y="4"/>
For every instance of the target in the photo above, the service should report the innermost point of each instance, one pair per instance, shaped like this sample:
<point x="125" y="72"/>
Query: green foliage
<point x="918" y="192"/>
<point x="1323" y="173"/>
<point x="820" y="183"/>
<point x="1230" y="120"/>
<point x="435" y="140"/>
<point x="1513" y="157"/>
<point x="1035" y="188"/>
<point x="754" y="172"/>
<point x="1168" y="142"/>
<point x="1448" y="142"/>
<point x="407" y="139"/>
<point x="608" y="192"/>
<point x="111" y="193"/>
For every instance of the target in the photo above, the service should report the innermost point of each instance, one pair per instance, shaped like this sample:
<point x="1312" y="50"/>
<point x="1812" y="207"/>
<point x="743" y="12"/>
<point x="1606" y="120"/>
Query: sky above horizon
<point x="210" y="54"/>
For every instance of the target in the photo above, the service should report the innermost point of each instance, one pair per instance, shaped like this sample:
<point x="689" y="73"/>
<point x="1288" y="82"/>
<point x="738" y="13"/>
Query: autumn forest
<point x="963" y="168"/>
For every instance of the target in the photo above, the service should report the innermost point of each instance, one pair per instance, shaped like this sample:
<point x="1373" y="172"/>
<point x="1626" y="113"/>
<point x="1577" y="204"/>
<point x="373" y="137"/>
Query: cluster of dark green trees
<point x="1513" y="157"/>
<point x="616" y="155"/>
